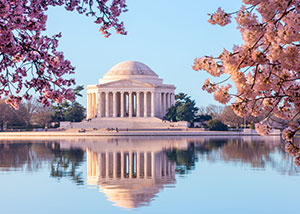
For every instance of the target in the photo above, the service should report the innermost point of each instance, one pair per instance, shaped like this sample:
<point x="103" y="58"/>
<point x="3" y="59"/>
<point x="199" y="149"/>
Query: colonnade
<point x="92" y="103"/>
<point x="129" y="104"/>
<point x="139" y="165"/>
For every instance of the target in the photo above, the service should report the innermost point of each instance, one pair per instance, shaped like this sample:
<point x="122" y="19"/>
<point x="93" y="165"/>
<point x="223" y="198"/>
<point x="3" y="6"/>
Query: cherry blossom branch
<point x="30" y="61"/>
<point x="265" y="68"/>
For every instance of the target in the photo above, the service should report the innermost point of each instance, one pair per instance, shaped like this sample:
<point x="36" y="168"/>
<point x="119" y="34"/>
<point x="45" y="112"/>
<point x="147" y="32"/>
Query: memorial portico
<point x="129" y="89"/>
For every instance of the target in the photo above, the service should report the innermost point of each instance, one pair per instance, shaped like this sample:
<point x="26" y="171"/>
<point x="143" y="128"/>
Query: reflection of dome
<point x="129" y="68"/>
<point x="131" y="193"/>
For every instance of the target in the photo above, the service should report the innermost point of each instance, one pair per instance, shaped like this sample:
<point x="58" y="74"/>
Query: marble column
<point x="138" y="104"/>
<point x="145" y="105"/>
<point x="152" y="104"/>
<point x="158" y="104"/>
<point x="166" y="103"/>
<point x="88" y="106"/>
<point x="99" y="104"/>
<point x="172" y="99"/>
<point x="163" y="103"/>
<point x="106" y="104"/>
<point x="114" y="104"/>
<point x="130" y="104"/>
<point x="92" y="105"/>
<point x="122" y="103"/>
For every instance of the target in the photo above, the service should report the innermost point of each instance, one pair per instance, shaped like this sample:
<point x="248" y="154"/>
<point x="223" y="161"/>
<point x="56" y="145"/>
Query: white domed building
<point x="129" y="89"/>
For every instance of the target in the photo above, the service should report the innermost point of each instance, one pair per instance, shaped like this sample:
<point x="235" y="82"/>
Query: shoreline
<point x="69" y="134"/>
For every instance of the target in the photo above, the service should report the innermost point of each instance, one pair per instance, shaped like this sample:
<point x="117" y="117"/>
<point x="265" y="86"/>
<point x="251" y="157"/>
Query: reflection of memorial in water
<point x="131" y="172"/>
<point x="129" y="179"/>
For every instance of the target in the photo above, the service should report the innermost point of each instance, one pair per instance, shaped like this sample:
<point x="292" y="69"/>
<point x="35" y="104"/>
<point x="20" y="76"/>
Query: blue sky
<point x="166" y="35"/>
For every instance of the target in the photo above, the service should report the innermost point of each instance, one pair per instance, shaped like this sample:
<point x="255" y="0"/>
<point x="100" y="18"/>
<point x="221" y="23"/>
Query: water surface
<point x="148" y="175"/>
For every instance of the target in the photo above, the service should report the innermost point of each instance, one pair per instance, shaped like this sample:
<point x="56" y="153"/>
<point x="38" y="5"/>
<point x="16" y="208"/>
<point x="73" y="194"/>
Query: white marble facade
<point x="129" y="89"/>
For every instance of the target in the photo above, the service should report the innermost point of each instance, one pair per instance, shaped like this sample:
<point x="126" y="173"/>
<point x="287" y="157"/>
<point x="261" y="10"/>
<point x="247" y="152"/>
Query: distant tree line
<point x="212" y="117"/>
<point x="32" y="114"/>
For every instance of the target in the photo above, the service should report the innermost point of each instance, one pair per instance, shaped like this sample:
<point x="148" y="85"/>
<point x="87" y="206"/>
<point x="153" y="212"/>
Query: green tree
<point x="77" y="90"/>
<point x="183" y="110"/>
<point x="74" y="113"/>
<point x="59" y="110"/>
<point x="77" y="112"/>
<point x="171" y="114"/>
<point x="70" y="111"/>
<point x="216" y="125"/>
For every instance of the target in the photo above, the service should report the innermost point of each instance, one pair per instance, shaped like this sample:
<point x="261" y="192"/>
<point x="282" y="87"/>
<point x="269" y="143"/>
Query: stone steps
<point x="130" y="123"/>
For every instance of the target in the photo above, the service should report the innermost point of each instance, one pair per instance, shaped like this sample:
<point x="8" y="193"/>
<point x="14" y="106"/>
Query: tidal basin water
<point x="148" y="175"/>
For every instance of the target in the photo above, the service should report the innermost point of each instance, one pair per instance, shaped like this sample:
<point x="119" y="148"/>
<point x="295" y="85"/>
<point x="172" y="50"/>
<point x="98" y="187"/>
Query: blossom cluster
<point x="264" y="127"/>
<point x="293" y="151"/>
<point x="265" y="69"/>
<point x="209" y="64"/>
<point x="222" y="95"/>
<point x="29" y="60"/>
<point x="220" y="18"/>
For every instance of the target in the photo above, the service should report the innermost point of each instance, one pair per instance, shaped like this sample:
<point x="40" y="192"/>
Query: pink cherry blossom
<point x="30" y="61"/>
<point x="263" y="128"/>
<point x="222" y="94"/>
<point x="220" y="18"/>
<point x="265" y="69"/>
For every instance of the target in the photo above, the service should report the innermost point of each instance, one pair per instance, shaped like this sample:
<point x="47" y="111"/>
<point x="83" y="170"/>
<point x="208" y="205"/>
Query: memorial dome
<point x="130" y="68"/>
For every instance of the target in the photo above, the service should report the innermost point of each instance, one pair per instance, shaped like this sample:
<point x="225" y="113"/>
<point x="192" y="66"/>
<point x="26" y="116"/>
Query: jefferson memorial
<point x="129" y="92"/>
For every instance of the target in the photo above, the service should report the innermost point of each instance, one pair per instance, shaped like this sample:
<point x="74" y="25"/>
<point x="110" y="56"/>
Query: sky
<point x="166" y="35"/>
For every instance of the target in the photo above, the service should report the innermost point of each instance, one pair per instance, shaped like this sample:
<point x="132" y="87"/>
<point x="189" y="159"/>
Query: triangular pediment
<point x="126" y="84"/>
